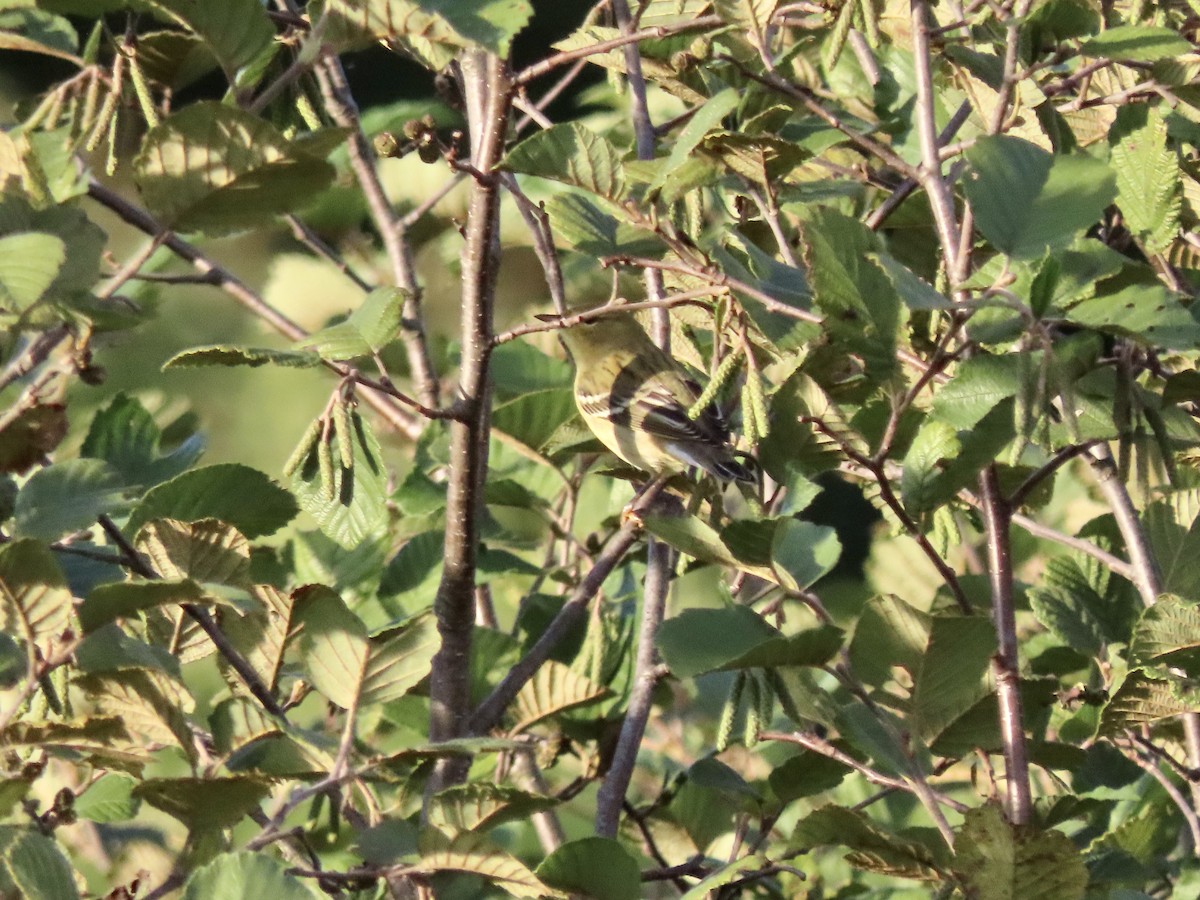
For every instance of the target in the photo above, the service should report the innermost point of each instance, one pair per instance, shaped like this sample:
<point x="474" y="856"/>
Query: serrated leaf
<point x="572" y="154"/>
<point x="236" y="31"/>
<point x="35" y="602"/>
<point x="215" y="168"/>
<point x="704" y="120"/>
<point x="553" y="689"/>
<point x="999" y="861"/>
<point x="1168" y="635"/>
<point x="1176" y="547"/>
<point x="953" y="674"/>
<point x="978" y="385"/>
<point x="29" y="264"/>
<point x="418" y="562"/>
<point x="583" y="225"/>
<point x="594" y="867"/>
<point x="802" y="553"/>
<point x="1070" y="617"/>
<point x="367" y="330"/>
<point x="400" y="658"/>
<point x="38" y="868"/>
<point x="1141" y="700"/>
<point x="204" y="551"/>
<point x="245" y="874"/>
<point x="705" y="640"/>
<point x="262" y="636"/>
<point x="533" y="418"/>
<point x="205" y="803"/>
<point x="333" y="645"/>
<point x="125" y="436"/>
<point x="889" y="633"/>
<point x="873" y="847"/>
<point x="922" y="486"/>
<point x="151" y="705"/>
<point x="432" y="31"/>
<point x="1148" y="183"/>
<point x="1026" y="200"/>
<point x="355" y="510"/>
<point x="102" y="737"/>
<point x="481" y="806"/>
<point x="66" y="496"/>
<point x="108" y="602"/>
<point x="1148" y="313"/>
<point x="474" y="853"/>
<point x="741" y="869"/>
<point x="108" y="799"/>
<point x="231" y="355"/>
<point x="1142" y="43"/>
<point x="239" y="495"/>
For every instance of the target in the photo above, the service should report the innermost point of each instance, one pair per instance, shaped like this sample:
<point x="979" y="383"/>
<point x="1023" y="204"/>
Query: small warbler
<point x="635" y="399"/>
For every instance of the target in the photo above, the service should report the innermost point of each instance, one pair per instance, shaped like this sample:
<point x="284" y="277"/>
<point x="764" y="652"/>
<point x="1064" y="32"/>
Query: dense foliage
<point x="940" y="258"/>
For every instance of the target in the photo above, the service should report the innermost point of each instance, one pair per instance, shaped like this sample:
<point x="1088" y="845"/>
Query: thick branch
<point x="1006" y="663"/>
<point x="487" y="90"/>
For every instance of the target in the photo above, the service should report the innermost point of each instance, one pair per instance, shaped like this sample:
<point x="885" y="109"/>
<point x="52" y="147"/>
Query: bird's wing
<point x="649" y="394"/>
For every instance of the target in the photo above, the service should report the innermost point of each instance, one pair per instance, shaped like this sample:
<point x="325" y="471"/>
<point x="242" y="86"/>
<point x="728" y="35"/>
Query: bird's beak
<point x="553" y="318"/>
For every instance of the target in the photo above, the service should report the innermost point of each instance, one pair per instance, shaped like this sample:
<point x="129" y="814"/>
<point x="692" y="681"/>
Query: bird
<point x="635" y="398"/>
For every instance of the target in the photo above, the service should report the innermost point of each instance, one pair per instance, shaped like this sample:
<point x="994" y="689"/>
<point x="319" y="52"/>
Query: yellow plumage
<point x="635" y="399"/>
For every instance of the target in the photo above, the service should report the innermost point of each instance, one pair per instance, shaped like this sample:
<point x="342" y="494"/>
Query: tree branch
<point x="487" y="91"/>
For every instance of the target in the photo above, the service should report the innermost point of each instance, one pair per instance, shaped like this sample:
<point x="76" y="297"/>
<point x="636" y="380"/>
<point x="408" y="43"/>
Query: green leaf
<point x="333" y="645"/>
<point x="354" y="508"/>
<point x="554" y="688"/>
<point x="871" y="846"/>
<point x="417" y="563"/>
<point x="37" y="31"/>
<point x="474" y="853"/>
<point x="581" y="224"/>
<point x="922" y="482"/>
<point x="916" y="293"/>
<point x="125" y="599"/>
<point x="29" y="264"/>
<point x="66" y="496"/>
<point x="573" y="155"/>
<point x="124" y="435"/>
<point x="705" y="640"/>
<point x="805" y="775"/>
<point x="481" y="806"/>
<point x="703" y="120"/>
<point x="1148" y="183"/>
<point x="594" y="867"/>
<point x="1026" y="200"/>
<point x="239" y="495"/>
<point x="205" y="803"/>
<point x="1168" y="635"/>
<point x="1071" y="617"/>
<point x="38" y="868"/>
<point x="207" y="550"/>
<point x="214" y="168"/>
<point x="953" y="674"/>
<point x="533" y="418"/>
<point x="400" y="658"/>
<point x="108" y="799"/>
<point x="1141" y="700"/>
<point x="237" y="31"/>
<point x="231" y="355"/>
<point x="979" y="727"/>
<point x="34" y="432"/>
<point x="1148" y="313"/>
<point x="999" y="861"/>
<point x="151" y="705"/>
<point x="1139" y="43"/>
<point x="802" y="553"/>
<point x="373" y="325"/>
<point x="80" y="267"/>
<point x="1176" y="547"/>
<point x="978" y="385"/>
<point x="246" y="874"/>
<point x="889" y="633"/>
<point x="35" y="602"/>
<point x="862" y="309"/>
<point x="491" y="24"/>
